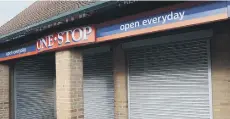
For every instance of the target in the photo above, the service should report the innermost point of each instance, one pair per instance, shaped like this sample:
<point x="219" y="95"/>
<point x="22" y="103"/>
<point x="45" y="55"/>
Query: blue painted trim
<point x="190" y="13"/>
<point x="228" y="8"/>
<point x="14" y="52"/>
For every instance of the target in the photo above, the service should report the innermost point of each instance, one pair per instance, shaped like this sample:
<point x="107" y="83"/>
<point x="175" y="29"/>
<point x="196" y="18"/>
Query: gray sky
<point x="10" y="8"/>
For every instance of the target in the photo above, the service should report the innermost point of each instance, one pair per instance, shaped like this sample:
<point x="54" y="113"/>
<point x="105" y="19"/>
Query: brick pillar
<point x="4" y="91"/>
<point x="220" y="58"/>
<point x="120" y="83"/>
<point x="69" y="87"/>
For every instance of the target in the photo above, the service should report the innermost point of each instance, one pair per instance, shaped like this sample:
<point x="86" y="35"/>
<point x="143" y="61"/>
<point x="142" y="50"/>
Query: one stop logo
<point x="71" y="37"/>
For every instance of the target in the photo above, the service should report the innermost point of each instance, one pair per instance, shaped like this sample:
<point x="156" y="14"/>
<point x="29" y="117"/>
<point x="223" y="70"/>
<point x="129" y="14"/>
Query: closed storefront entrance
<point x="34" y="88"/>
<point x="170" y="80"/>
<point x="98" y="88"/>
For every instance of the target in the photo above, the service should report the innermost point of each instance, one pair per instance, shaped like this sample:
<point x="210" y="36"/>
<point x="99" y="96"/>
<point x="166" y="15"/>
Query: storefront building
<point x="170" y="62"/>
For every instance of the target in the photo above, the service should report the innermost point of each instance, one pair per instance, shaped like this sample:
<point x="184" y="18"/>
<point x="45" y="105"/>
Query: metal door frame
<point x="14" y="93"/>
<point x="210" y="78"/>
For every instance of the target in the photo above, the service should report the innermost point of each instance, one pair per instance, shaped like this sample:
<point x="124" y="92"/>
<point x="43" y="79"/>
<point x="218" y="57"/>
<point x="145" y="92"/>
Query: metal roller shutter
<point x="98" y="86"/>
<point x="169" y="81"/>
<point x="35" y="88"/>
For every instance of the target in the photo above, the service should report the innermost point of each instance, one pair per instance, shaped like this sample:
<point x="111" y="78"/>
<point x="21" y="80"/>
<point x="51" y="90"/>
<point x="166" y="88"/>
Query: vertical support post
<point x="120" y="83"/>
<point x="220" y="63"/>
<point x="69" y="85"/>
<point x="4" y="91"/>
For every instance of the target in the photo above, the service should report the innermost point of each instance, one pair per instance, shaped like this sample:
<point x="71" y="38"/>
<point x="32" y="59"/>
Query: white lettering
<point x="137" y="24"/>
<point x="60" y="38"/>
<point x="149" y="21"/>
<point x="176" y="16"/>
<point x="43" y="42"/>
<point x="38" y="46"/>
<point x="170" y="16"/>
<point x="173" y="16"/>
<point x="122" y="27"/>
<point x="50" y="40"/>
<point x="154" y="20"/>
<point x="64" y="37"/>
<point x="14" y="52"/>
<point x="80" y="35"/>
<point x="164" y="19"/>
<point x="181" y="15"/>
<point x="131" y="25"/>
<point x="158" y="19"/>
<point x="67" y="36"/>
<point x="144" y="22"/>
<point x="126" y="27"/>
<point x="87" y="30"/>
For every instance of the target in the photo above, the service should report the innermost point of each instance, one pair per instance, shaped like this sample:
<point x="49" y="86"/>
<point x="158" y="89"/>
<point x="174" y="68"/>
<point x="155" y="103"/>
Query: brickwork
<point x="69" y="88"/>
<point x="4" y="91"/>
<point x="220" y="55"/>
<point x="120" y="84"/>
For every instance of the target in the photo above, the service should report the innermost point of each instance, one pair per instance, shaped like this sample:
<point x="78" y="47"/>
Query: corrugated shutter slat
<point x="169" y="81"/>
<point x="35" y="88"/>
<point x="98" y="86"/>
